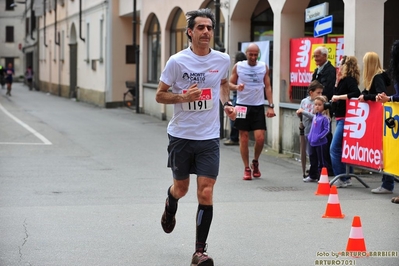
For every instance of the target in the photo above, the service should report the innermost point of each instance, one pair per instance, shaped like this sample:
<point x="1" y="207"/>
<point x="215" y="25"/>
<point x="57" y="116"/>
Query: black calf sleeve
<point x="204" y="220"/>
<point x="172" y="203"/>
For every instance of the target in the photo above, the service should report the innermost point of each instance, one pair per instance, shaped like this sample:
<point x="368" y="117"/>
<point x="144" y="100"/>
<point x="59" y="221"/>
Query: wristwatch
<point x="227" y="104"/>
<point x="271" y="105"/>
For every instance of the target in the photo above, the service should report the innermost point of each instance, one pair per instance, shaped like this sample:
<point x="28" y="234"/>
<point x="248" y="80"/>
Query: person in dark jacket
<point x="346" y="87"/>
<point x="394" y="72"/>
<point x="325" y="72"/>
<point x="376" y="81"/>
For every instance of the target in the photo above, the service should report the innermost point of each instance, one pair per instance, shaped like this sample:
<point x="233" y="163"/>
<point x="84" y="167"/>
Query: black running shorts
<point x="200" y="157"/>
<point x="255" y="119"/>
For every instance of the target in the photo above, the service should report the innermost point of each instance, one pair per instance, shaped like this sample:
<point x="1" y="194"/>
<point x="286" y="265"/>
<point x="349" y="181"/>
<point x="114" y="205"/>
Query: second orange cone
<point x="333" y="209"/>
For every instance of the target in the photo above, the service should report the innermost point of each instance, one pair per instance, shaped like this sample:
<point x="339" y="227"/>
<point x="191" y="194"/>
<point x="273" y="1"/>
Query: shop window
<point x="178" y="38"/>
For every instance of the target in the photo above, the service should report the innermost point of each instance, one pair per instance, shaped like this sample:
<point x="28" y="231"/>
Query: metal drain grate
<point x="277" y="189"/>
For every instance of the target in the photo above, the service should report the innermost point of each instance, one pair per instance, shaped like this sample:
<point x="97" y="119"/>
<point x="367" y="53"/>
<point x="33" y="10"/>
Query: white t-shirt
<point x="196" y="120"/>
<point x="253" y="79"/>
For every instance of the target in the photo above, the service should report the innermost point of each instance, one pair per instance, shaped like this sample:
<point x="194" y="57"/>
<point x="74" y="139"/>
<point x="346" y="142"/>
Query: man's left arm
<point x="269" y="94"/>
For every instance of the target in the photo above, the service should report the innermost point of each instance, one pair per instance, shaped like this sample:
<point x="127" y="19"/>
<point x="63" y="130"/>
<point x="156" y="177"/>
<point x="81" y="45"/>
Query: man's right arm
<point x="164" y="95"/>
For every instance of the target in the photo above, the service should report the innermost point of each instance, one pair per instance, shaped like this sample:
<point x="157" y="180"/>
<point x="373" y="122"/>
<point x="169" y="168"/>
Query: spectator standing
<point x="394" y="72"/>
<point x="29" y="77"/>
<point x="376" y="80"/>
<point x="318" y="134"/>
<point x="306" y="110"/>
<point x="326" y="74"/>
<point x="346" y="87"/>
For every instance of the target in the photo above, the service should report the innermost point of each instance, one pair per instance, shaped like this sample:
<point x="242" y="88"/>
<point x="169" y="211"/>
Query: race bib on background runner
<point x="204" y="103"/>
<point x="241" y="111"/>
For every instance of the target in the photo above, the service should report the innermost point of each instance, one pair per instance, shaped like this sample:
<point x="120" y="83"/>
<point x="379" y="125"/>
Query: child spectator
<point x="306" y="110"/>
<point x="317" y="137"/>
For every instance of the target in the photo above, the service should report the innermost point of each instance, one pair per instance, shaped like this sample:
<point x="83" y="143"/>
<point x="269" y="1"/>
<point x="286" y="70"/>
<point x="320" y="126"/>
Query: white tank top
<point x="181" y="71"/>
<point x="253" y="79"/>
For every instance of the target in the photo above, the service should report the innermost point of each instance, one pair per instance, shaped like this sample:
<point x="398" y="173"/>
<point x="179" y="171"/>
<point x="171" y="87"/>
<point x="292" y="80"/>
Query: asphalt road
<point x="83" y="185"/>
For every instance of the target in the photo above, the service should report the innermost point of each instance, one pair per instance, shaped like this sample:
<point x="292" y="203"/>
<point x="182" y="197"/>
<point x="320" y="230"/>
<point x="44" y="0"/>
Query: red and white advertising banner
<point x="391" y="139"/>
<point x="339" y="41"/>
<point x="362" y="139"/>
<point x="301" y="56"/>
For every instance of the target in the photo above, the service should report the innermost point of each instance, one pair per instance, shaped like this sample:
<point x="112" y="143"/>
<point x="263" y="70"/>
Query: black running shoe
<point x="168" y="220"/>
<point x="201" y="259"/>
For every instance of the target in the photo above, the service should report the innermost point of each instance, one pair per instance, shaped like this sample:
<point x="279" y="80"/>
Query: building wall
<point x="104" y="85"/>
<point x="16" y="19"/>
<point x="101" y="36"/>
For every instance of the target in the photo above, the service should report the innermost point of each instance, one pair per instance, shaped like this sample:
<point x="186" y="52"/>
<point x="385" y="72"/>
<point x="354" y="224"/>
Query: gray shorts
<point x="200" y="157"/>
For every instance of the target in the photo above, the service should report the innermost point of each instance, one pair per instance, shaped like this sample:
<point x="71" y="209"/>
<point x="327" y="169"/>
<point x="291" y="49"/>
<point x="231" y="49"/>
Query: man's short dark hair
<point x="191" y="15"/>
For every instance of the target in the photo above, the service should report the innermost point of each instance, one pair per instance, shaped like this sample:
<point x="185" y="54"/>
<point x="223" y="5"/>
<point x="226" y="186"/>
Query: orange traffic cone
<point x="356" y="239"/>
<point x="324" y="184"/>
<point x="333" y="209"/>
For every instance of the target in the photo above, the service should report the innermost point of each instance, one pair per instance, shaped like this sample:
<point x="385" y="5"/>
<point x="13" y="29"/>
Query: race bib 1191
<point x="204" y="103"/>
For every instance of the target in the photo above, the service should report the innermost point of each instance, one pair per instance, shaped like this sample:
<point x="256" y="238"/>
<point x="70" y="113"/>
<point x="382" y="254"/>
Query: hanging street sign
<point x="316" y="12"/>
<point x="323" y="26"/>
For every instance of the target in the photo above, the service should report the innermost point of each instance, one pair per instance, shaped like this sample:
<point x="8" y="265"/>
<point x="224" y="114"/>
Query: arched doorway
<point x="73" y="63"/>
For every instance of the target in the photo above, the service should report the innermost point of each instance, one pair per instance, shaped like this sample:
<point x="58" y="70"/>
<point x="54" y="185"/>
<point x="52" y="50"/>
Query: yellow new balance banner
<point x="390" y="142"/>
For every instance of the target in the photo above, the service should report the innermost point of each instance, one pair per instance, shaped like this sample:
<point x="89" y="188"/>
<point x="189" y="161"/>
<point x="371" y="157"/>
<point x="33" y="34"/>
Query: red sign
<point x="301" y="56"/>
<point x="362" y="140"/>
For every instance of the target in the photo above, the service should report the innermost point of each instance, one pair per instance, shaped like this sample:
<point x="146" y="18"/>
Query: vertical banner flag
<point x="391" y="139"/>
<point x="300" y="60"/>
<point x="339" y="41"/>
<point x="362" y="140"/>
<point x="264" y="47"/>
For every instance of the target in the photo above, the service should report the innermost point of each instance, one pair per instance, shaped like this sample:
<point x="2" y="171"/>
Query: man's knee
<point x="179" y="190"/>
<point x="205" y="194"/>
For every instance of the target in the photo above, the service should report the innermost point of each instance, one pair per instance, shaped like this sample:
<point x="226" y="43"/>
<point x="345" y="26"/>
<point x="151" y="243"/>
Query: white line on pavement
<point x="34" y="132"/>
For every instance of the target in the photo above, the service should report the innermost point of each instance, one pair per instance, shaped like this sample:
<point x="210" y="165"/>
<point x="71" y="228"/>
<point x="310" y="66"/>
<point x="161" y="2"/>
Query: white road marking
<point x="34" y="132"/>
